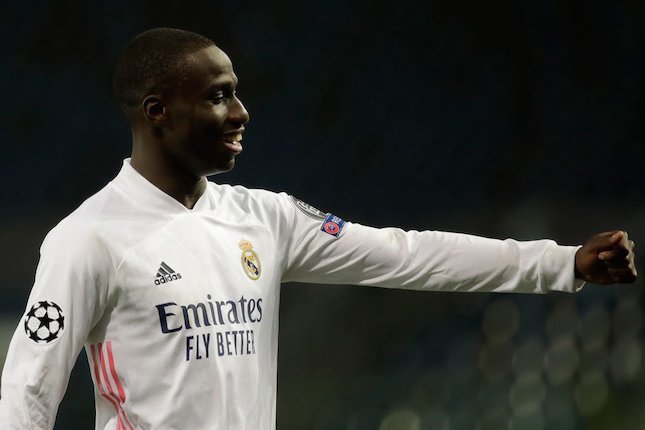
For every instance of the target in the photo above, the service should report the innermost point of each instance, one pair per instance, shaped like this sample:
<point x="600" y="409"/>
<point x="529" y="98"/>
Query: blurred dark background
<point x="508" y="118"/>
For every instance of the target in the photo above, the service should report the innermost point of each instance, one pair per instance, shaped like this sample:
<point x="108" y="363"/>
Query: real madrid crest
<point x="250" y="260"/>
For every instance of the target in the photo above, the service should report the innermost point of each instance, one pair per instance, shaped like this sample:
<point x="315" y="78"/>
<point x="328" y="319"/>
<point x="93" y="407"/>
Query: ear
<point x="154" y="110"/>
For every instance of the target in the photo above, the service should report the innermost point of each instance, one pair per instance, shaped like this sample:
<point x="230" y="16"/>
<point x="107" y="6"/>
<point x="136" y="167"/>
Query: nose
<point x="238" y="112"/>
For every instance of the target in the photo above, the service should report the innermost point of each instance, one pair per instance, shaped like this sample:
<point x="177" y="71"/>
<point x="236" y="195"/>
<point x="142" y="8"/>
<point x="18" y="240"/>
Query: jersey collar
<point x="144" y="192"/>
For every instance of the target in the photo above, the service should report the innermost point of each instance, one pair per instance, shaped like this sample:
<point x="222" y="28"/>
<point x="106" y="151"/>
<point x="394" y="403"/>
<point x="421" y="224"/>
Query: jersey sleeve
<point x="67" y="299"/>
<point x="329" y="250"/>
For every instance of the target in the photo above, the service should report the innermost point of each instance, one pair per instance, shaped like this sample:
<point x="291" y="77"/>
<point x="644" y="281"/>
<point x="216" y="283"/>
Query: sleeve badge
<point x="332" y="225"/>
<point x="45" y="322"/>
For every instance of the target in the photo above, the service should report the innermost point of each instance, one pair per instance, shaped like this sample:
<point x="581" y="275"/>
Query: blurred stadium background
<point x="505" y="119"/>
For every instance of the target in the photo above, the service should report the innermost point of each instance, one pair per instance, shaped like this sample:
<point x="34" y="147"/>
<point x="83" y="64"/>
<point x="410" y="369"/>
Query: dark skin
<point x="607" y="258"/>
<point x="186" y="134"/>
<point x="192" y="131"/>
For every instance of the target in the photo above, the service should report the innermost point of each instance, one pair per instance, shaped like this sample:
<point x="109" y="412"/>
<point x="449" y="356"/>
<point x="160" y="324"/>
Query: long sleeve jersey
<point x="177" y="308"/>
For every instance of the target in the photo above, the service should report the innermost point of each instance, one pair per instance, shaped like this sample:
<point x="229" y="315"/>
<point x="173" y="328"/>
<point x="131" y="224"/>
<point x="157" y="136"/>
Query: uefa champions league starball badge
<point x="45" y="322"/>
<point x="250" y="260"/>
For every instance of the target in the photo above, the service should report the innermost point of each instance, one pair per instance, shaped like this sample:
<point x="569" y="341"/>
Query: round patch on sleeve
<point x="332" y="225"/>
<point x="45" y="322"/>
<point x="308" y="210"/>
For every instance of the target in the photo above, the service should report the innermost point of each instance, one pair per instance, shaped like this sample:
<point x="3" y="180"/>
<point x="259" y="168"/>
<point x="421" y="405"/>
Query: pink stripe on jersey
<point x="117" y="381"/>
<point x="97" y="376"/>
<point x="121" y="412"/>
<point x="113" y="371"/>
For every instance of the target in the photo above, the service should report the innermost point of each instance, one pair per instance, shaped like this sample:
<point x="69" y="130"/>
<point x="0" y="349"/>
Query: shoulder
<point x="242" y="193"/>
<point x="88" y="231"/>
<point x="251" y="199"/>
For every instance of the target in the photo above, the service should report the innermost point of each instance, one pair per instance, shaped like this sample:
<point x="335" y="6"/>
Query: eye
<point x="217" y="99"/>
<point x="222" y="97"/>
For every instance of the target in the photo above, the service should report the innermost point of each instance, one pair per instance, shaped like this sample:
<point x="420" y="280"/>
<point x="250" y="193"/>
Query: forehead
<point x="209" y="66"/>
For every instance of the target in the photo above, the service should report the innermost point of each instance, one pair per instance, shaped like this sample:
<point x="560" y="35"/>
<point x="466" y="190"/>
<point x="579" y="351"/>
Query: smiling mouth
<point x="232" y="142"/>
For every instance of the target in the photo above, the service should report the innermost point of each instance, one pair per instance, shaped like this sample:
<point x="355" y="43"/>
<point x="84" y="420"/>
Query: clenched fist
<point x="607" y="258"/>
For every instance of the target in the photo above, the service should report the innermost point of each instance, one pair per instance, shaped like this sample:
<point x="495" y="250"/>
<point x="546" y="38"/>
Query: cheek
<point x="211" y="124"/>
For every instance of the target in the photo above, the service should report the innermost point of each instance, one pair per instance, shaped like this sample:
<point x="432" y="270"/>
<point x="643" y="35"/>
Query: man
<point x="171" y="283"/>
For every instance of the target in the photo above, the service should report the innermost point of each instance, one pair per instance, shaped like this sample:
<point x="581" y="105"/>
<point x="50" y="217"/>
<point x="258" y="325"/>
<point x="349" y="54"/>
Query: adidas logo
<point x="166" y="274"/>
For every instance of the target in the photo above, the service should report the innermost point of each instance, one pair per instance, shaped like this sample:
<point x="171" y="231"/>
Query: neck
<point x="168" y="176"/>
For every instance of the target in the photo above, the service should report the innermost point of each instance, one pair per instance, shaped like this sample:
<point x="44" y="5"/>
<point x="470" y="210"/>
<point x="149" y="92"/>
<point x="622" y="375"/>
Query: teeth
<point x="237" y="137"/>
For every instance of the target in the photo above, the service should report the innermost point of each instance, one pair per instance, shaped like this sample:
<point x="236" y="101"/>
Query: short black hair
<point x="150" y="61"/>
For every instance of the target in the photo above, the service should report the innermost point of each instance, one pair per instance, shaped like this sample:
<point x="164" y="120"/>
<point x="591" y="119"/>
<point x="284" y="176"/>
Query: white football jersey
<point x="178" y="308"/>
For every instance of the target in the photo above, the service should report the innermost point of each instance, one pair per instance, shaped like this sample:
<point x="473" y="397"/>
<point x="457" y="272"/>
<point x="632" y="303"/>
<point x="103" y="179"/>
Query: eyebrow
<point x="218" y="84"/>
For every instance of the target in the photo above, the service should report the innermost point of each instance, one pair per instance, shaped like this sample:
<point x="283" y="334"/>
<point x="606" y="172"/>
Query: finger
<point x="624" y="241"/>
<point x="618" y="265"/>
<point x="623" y="276"/>
<point x="617" y="258"/>
<point x="605" y="241"/>
<point x="620" y="237"/>
<point x="630" y="268"/>
<point x="614" y="255"/>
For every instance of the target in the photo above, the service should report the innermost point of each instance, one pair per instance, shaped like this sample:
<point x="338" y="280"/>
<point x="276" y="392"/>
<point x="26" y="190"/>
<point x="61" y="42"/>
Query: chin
<point x="221" y="168"/>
